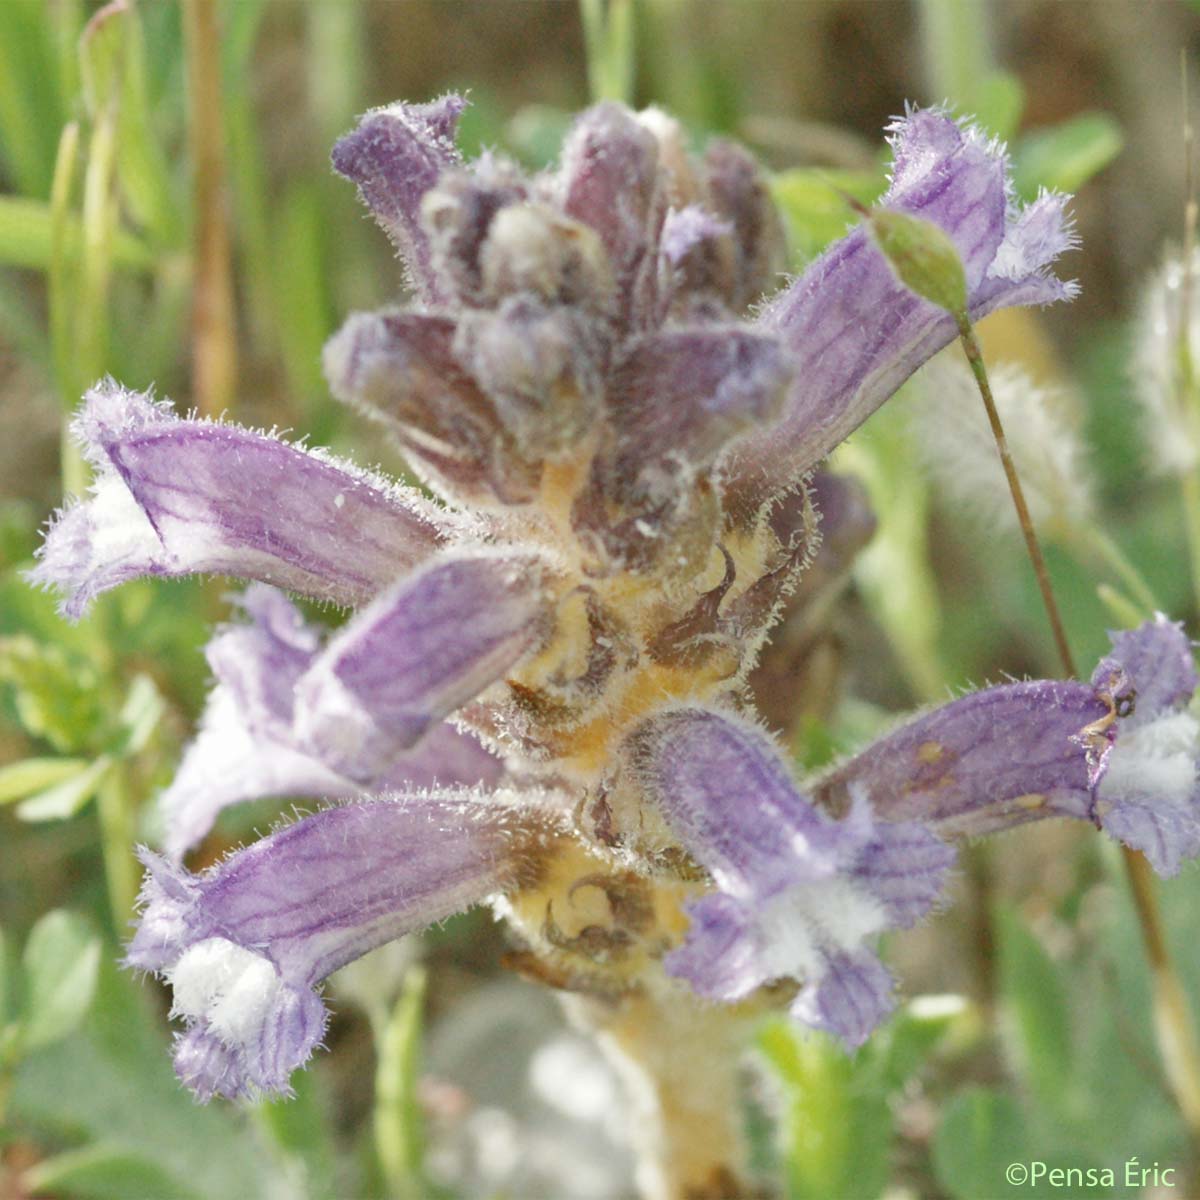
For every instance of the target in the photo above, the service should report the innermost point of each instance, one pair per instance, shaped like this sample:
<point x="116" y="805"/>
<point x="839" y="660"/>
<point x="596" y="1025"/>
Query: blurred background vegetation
<point x="168" y="216"/>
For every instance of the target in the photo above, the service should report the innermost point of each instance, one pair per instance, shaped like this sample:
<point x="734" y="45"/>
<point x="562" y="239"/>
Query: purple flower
<point x="245" y="944"/>
<point x="432" y="641"/>
<point x="176" y="497"/>
<point x="248" y="746"/>
<point x="799" y="895"/>
<point x="1120" y="751"/>
<point x="534" y="693"/>
<point x="858" y="332"/>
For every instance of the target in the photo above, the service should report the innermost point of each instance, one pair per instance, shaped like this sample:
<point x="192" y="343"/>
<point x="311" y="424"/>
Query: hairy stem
<point x="679" y="1060"/>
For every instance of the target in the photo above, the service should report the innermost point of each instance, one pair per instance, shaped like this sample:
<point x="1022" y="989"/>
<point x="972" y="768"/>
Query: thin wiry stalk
<point x="974" y="355"/>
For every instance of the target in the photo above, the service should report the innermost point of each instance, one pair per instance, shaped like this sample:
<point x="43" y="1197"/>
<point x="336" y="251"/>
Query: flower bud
<point x="458" y="214"/>
<point x="531" y="248"/>
<point x="923" y="256"/>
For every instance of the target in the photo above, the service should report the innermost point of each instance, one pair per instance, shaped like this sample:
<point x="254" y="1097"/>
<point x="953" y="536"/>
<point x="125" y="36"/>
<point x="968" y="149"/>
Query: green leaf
<point x="60" y="961"/>
<point x="837" y="1128"/>
<point x="904" y="1044"/>
<point x="397" y="1116"/>
<point x="980" y="1135"/>
<point x="33" y="615"/>
<point x="60" y="272"/>
<point x="140" y="715"/>
<point x="1066" y="156"/>
<point x="103" y="1172"/>
<point x="999" y="103"/>
<point x="25" y="238"/>
<point x="102" y="52"/>
<point x="64" y="800"/>
<point x="1036" y="1000"/>
<point x="21" y="779"/>
<point x="57" y="695"/>
<point x="1122" y="611"/>
<point x="141" y="164"/>
<point x="31" y="108"/>
<point x="814" y="208"/>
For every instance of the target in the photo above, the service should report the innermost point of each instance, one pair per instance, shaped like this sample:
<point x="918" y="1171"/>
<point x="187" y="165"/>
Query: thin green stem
<point x="608" y="38"/>
<point x="397" y="1116"/>
<point x="954" y="36"/>
<point x="1111" y="553"/>
<point x="58" y="290"/>
<point x="117" y="837"/>
<point x="99" y="230"/>
<point x="1177" y="1042"/>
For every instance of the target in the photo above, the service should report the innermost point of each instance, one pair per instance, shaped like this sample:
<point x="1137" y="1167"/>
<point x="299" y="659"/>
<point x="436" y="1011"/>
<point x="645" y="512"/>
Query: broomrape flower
<point x="539" y="695"/>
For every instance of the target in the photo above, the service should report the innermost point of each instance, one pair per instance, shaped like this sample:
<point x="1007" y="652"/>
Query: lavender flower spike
<point x="799" y="894"/>
<point x="1120" y="751"/>
<point x="173" y="497"/>
<point x="859" y="333"/>
<point x="246" y="748"/>
<point x="245" y="944"/>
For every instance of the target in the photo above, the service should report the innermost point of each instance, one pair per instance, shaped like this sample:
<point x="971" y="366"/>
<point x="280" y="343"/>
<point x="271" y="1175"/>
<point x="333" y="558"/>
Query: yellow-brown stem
<point x="1172" y="1015"/>
<point x="679" y="1059"/>
<point x="214" y="343"/>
